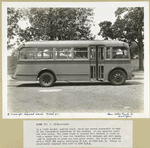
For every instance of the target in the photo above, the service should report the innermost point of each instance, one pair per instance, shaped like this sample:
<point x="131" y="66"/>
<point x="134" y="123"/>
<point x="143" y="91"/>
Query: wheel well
<point x="49" y="71"/>
<point x="116" y="69"/>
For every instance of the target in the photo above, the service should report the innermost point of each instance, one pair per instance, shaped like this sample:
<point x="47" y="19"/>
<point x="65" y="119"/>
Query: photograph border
<point x="74" y="4"/>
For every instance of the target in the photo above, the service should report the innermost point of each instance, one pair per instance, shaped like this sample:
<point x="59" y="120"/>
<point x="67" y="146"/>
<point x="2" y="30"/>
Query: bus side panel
<point x="25" y="72"/>
<point x="112" y="64"/>
<point x="75" y="72"/>
<point x="64" y="70"/>
<point x="25" y="78"/>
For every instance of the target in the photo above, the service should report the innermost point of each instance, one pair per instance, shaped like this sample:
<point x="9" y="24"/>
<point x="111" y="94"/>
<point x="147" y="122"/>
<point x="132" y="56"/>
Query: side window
<point x="63" y="53"/>
<point x="92" y="53"/>
<point x="27" y="53"/>
<point x="80" y="53"/>
<point x="101" y="52"/>
<point x="45" y="53"/>
<point x="120" y="53"/>
<point x="108" y="51"/>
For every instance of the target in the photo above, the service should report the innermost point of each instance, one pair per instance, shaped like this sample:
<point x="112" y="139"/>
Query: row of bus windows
<point x="71" y="53"/>
<point x="47" y="53"/>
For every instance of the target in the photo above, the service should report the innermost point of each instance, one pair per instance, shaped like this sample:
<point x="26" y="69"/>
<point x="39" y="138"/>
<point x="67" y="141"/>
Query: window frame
<point x="45" y="59"/>
<point x="128" y="50"/>
<point x="110" y="52"/>
<point x="80" y="59"/>
<point x="54" y="50"/>
<point x="19" y="59"/>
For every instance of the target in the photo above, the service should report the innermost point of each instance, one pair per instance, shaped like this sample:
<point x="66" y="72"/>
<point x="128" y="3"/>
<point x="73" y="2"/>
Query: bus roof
<point x="75" y="43"/>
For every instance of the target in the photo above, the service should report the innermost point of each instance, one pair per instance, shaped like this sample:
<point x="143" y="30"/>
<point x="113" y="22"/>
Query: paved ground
<point x="76" y="97"/>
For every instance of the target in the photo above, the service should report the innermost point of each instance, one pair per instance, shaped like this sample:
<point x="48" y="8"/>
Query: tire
<point x="46" y="79"/>
<point x="117" y="77"/>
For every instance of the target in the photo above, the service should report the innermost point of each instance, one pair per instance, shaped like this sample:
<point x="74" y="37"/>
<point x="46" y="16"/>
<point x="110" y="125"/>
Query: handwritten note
<point x="121" y="115"/>
<point x="33" y="114"/>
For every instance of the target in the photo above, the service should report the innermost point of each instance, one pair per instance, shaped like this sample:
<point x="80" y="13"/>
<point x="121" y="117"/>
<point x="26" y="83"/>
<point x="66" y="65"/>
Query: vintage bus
<point x="51" y="61"/>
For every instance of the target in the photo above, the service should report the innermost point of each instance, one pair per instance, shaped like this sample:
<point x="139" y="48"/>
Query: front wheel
<point x="46" y="79"/>
<point x="117" y="77"/>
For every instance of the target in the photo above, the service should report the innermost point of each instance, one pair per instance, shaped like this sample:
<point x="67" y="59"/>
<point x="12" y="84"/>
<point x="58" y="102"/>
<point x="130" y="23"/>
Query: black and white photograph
<point x="75" y="60"/>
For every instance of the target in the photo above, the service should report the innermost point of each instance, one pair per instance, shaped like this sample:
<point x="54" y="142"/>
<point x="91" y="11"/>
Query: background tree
<point x="58" y="24"/>
<point x="106" y="30"/>
<point x="13" y="16"/>
<point x="49" y="24"/>
<point x="128" y="27"/>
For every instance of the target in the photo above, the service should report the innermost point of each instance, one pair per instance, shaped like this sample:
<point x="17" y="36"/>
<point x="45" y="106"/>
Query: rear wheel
<point x="46" y="79"/>
<point x="117" y="77"/>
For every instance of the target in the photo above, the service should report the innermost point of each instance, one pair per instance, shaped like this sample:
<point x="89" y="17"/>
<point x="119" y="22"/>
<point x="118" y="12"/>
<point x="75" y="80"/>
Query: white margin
<point x="74" y="4"/>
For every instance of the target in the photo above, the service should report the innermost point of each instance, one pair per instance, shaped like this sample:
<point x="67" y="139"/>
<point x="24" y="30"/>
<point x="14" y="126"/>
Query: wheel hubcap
<point x="118" y="77"/>
<point x="46" y="79"/>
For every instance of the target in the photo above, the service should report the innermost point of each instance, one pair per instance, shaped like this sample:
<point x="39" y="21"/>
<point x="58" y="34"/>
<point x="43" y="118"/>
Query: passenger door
<point x="97" y="57"/>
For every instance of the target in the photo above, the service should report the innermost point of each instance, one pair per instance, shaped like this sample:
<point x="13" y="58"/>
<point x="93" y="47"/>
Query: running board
<point x="97" y="80"/>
